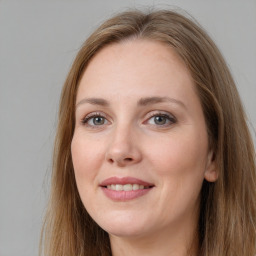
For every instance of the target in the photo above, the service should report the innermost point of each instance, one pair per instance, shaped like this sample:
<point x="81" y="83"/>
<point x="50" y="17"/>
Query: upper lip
<point x="124" y="180"/>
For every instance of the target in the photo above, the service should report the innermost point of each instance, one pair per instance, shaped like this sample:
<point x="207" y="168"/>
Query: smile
<point x="125" y="188"/>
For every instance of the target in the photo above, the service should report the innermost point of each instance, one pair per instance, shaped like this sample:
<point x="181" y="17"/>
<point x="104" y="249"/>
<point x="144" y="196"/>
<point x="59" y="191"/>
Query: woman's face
<point x="140" y="145"/>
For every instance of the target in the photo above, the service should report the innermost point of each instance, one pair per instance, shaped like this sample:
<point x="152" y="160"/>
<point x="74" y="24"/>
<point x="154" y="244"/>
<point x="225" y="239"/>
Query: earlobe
<point x="211" y="172"/>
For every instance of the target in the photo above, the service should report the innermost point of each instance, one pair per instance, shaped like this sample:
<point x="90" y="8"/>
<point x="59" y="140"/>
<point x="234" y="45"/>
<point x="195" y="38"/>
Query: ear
<point x="211" y="173"/>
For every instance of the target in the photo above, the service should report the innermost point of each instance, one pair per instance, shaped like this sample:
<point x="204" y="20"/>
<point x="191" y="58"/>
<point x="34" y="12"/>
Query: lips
<point x="125" y="188"/>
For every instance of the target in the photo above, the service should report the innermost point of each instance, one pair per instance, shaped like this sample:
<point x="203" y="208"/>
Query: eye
<point x="161" y="119"/>
<point x="97" y="120"/>
<point x="94" y="119"/>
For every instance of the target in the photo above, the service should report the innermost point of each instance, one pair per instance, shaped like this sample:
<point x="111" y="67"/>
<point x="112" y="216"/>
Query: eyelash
<point x="90" y="116"/>
<point x="169" y="117"/>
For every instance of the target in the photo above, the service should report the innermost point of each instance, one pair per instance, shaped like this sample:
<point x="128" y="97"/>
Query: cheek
<point x="181" y="161"/>
<point x="181" y="152"/>
<point x="86" y="160"/>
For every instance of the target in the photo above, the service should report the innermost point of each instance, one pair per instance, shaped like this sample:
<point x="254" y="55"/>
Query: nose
<point x="123" y="149"/>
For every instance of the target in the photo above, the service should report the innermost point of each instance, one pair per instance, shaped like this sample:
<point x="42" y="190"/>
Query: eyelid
<point x="168" y="115"/>
<point x="87" y="117"/>
<point x="160" y="112"/>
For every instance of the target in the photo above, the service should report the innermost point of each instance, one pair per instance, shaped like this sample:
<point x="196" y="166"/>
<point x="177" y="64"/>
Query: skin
<point x="127" y="141"/>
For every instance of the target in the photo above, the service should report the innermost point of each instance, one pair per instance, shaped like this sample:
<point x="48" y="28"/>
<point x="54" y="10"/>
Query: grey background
<point x="38" y="41"/>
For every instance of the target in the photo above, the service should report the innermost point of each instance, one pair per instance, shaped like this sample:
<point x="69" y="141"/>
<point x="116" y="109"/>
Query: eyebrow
<point x="93" y="101"/>
<point x="142" y="102"/>
<point x="153" y="100"/>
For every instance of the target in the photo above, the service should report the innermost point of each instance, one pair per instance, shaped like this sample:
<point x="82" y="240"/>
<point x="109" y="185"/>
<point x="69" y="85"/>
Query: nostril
<point x="111" y="160"/>
<point x="122" y="161"/>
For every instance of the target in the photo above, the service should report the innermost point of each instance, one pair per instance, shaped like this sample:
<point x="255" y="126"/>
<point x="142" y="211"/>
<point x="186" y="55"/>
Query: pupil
<point x="98" y="120"/>
<point x="160" y="120"/>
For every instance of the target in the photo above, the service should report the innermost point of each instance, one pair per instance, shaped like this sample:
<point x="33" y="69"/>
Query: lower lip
<point x="124" y="195"/>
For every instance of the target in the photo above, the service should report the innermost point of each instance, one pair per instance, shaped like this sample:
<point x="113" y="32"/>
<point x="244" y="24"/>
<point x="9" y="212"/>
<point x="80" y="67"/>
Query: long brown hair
<point x="228" y="211"/>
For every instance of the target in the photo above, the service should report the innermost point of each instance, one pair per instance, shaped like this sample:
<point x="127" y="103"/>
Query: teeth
<point x="126" y="187"/>
<point x="119" y="187"/>
<point x="135" y="187"/>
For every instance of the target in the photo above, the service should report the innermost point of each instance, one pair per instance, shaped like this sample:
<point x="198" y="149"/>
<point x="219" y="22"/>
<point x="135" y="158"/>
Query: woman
<point x="152" y="155"/>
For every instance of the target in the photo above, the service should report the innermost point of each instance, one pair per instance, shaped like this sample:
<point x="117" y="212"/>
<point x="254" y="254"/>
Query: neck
<point x="171" y="242"/>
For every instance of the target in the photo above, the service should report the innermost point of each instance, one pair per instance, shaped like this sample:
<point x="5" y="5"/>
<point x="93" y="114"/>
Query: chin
<point x="125" y="232"/>
<point x="123" y="227"/>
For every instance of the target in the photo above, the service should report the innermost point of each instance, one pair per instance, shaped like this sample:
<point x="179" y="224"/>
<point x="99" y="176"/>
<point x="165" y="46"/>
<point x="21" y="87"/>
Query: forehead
<point x="138" y="65"/>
